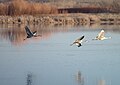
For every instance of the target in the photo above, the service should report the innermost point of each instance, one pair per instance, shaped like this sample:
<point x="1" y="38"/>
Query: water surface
<point x="50" y="60"/>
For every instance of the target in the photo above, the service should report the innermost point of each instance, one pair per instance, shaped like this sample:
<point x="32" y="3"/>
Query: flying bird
<point x="78" y="41"/>
<point x="101" y="36"/>
<point x="29" y="33"/>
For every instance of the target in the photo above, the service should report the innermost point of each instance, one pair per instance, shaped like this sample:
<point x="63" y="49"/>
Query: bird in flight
<point x="101" y="36"/>
<point x="78" y="41"/>
<point x="29" y="33"/>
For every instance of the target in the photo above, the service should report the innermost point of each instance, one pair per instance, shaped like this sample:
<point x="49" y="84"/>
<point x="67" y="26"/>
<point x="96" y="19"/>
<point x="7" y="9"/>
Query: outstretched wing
<point x="81" y="38"/>
<point x="101" y="34"/>
<point x="29" y="33"/>
<point x="78" y="41"/>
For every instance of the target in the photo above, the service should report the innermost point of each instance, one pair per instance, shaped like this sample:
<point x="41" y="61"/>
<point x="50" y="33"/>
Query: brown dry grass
<point x="21" y="7"/>
<point x="3" y="9"/>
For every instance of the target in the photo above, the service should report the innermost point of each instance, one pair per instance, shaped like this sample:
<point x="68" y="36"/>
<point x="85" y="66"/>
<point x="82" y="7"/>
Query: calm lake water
<point x="50" y="60"/>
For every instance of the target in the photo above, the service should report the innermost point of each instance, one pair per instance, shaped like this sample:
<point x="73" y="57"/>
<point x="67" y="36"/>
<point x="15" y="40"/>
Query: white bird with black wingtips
<point x="78" y="41"/>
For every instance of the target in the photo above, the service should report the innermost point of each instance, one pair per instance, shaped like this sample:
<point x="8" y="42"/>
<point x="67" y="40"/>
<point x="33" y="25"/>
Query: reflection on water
<point x="16" y="33"/>
<point x="53" y="61"/>
<point x="80" y="78"/>
<point x="13" y="34"/>
<point x="29" y="79"/>
<point x="101" y="82"/>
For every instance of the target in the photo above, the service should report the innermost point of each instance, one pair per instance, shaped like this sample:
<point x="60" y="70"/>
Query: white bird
<point x="101" y="36"/>
<point x="29" y="33"/>
<point x="78" y="41"/>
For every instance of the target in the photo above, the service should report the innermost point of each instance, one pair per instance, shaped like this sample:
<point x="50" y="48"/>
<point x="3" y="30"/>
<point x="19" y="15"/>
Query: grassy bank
<point x="25" y="7"/>
<point x="75" y="18"/>
<point x="22" y="7"/>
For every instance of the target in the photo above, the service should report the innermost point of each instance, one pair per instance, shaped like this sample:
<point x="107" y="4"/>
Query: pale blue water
<point x="52" y="61"/>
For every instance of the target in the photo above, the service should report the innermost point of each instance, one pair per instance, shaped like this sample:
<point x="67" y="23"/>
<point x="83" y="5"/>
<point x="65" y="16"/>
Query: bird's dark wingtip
<point x="82" y="37"/>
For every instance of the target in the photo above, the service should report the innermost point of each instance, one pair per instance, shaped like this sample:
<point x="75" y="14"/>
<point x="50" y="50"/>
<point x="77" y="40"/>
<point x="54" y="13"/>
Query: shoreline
<point x="63" y="19"/>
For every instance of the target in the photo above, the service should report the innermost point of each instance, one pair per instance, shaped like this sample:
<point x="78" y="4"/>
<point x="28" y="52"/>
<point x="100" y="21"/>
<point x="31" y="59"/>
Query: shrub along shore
<point x="22" y="7"/>
<point x="24" y="12"/>
<point x="73" y="19"/>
